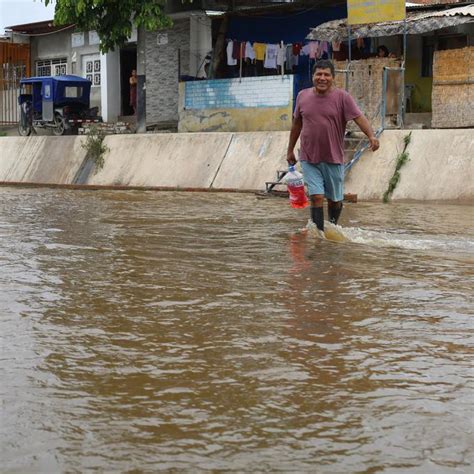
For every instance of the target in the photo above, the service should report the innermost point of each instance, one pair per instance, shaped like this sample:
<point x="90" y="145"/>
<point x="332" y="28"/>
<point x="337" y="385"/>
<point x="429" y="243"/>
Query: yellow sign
<point x="374" y="11"/>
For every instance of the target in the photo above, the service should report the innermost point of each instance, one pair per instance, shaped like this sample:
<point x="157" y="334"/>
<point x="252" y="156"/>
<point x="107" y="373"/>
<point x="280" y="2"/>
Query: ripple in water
<point x="173" y="331"/>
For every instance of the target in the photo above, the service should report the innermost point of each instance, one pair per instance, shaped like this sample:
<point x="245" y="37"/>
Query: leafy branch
<point x="402" y="158"/>
<point x="113" y="21"/>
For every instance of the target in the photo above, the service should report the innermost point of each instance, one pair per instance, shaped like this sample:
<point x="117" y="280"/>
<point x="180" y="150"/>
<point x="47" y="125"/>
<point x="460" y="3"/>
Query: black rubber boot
<point x="317" y="215"/>
<point x="334" y="213"/>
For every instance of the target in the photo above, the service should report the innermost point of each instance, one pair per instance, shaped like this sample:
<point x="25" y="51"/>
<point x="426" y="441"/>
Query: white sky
<point x="17" y="12"/>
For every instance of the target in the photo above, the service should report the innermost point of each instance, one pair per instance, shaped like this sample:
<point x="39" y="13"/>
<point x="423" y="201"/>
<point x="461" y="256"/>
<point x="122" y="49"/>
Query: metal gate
<point x="14" y="64"/>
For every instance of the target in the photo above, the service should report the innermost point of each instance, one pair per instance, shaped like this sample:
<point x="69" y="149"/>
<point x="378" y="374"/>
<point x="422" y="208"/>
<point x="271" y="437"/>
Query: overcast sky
<point x="17" y="12"/>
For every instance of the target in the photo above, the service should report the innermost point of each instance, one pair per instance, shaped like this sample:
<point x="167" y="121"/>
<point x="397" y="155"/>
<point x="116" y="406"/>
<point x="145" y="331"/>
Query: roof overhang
<point x="416" y="23"/>
<point x="37" y="28"/>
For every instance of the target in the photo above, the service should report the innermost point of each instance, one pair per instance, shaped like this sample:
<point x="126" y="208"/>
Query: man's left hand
<point x="374" y="143"/>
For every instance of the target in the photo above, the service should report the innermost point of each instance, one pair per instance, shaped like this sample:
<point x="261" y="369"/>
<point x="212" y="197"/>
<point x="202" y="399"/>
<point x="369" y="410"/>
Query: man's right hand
<point x="290" y="157"/>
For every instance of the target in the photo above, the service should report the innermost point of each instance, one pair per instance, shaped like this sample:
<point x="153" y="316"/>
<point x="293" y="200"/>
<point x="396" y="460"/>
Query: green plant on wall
<point x="95" y="147"/>
<point x="402" y="158"/>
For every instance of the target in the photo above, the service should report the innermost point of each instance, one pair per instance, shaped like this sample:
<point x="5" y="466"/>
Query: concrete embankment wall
<point x="440" y="166"/>
<point x="441" y="162"/>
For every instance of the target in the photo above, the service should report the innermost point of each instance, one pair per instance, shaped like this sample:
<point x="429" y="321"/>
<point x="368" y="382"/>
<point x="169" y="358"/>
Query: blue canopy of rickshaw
<point x="53" y="89"/>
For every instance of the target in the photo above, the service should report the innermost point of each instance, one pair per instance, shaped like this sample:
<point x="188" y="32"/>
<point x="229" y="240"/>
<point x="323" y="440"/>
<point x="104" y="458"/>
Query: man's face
<point x="322" y="80"/>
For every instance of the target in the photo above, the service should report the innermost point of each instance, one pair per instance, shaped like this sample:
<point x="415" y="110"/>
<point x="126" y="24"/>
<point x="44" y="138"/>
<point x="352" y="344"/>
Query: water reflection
<point x="193" y="331"/>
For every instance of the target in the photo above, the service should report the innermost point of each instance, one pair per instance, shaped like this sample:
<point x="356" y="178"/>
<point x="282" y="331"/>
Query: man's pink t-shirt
<point x="324" y="124"/>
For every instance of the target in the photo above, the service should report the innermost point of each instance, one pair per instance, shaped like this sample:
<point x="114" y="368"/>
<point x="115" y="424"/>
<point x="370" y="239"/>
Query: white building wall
<point x="200" y="44"/>
<point x="110" y="86"/>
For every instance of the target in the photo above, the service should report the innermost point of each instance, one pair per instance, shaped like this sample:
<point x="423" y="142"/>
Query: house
<point x="433" y="33"/>
<point x="233" y="99"/>
<point x="249" y="95"/>
<point x="58" y="50"/>
<point x="64" y="50"/>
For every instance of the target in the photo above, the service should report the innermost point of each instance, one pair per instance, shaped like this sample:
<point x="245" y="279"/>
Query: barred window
<point x="51" y="67"/>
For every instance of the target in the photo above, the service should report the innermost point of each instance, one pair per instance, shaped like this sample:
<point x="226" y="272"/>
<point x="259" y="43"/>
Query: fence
<point x="14" y="64"/>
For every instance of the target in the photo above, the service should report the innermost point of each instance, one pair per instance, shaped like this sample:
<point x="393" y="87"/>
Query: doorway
<point x="128" y="62"/>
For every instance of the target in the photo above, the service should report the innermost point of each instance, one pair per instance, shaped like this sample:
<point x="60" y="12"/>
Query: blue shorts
<point x="324" y="178"/>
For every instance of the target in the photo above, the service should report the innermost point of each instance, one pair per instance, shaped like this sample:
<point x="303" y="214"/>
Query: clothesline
<point x="277" y="55"/>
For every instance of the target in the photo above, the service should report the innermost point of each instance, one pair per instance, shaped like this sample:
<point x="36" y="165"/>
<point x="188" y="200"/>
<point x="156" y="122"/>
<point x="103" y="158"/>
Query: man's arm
<point x="296" y="127"/>
<point x="365" y="127"/>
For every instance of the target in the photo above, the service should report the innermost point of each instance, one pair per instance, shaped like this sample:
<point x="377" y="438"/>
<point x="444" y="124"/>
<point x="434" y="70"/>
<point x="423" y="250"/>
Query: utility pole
<point x="141" y="80"/>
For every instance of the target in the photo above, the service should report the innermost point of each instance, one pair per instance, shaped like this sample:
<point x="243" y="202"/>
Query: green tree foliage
<point x="113" y="20"/>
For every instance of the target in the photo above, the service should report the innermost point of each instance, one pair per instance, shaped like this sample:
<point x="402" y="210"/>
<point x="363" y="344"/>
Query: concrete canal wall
<point x="441" y="164"/>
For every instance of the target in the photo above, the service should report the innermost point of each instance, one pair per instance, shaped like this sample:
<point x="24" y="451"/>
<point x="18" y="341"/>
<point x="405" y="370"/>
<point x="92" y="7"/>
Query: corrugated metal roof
<point x="467" y="10"/>
<point x="416" y="23"/>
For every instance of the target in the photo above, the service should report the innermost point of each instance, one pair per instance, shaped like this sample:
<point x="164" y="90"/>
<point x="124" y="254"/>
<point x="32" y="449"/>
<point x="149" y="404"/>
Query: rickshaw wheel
<point x="24" y="131"/>
<point x="59" y="127"/>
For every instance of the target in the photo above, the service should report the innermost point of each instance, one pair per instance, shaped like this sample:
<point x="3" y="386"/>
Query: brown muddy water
<point x="147" y="331"/>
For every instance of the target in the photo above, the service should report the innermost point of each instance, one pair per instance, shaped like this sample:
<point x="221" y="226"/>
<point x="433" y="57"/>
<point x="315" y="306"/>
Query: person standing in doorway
<point x="382" y="51"/>
<point x="320" y="117"/>
<point x="133" y="91"/>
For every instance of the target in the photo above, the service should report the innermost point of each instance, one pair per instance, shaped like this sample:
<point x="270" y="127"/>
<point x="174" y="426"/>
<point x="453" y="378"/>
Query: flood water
<point x="143" y="331"/>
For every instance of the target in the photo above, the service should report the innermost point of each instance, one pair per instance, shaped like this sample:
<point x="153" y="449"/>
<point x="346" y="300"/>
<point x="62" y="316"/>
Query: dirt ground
<point x="12" y="131"/>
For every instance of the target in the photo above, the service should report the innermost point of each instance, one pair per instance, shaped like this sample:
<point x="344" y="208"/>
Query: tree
<point x="114" y="20"/>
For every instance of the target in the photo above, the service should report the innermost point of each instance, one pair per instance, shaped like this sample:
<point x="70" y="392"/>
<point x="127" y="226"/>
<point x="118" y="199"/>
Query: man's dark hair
<point x="325" y="64"/>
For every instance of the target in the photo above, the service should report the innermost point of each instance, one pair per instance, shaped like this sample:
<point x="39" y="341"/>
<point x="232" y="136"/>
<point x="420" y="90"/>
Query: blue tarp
<point x="289" y="28"/>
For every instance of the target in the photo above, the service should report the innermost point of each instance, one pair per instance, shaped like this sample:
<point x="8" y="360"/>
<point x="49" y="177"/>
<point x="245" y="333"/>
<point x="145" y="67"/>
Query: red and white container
<point x="295" y="183"/>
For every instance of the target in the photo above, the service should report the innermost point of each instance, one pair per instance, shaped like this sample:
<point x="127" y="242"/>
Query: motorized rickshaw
<point x="59" y="103"/>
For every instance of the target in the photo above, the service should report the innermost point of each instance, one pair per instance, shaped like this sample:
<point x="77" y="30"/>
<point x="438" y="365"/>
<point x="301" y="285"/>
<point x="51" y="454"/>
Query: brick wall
<point x="163" y="62"/>
<point x="265" y="91"/>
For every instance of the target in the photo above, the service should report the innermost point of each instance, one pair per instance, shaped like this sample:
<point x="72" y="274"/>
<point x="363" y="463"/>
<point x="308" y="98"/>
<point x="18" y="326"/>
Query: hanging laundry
<point x="313" y="49"/>
<point x="229" y="50"/>
<point x="238" y="50"/>
<point x="271" y="56"/>
<point x="291" y="59"/>
<point x="297" y="48"/>
<point x="305" y="50"/>
<point x="249" y="51"/>
<point x="281" y="55"/>
<point x="260" y="49"/>
<point x="323" y="49"/>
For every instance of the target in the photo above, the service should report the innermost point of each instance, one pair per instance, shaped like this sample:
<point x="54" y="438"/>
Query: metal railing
<point x="14" y="65"/>
<point x="364" y="144"/>
<point x="10" y="75"/>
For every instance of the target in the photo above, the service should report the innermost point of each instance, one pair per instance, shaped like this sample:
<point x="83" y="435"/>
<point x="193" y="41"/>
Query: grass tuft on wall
<point x="95" y="147"/>
<point x="402" y="158"/>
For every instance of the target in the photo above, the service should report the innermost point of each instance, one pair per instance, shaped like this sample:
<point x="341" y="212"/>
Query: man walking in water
<point x="320" y="117"/>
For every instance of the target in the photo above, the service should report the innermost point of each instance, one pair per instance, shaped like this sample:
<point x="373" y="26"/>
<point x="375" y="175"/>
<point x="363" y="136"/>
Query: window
<point x="91" y="68"/>
<point x="452" y="42"/>
<point x="428" y="47"/>
<point x="51" y="67"/>
<point x="73" y="92"/>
